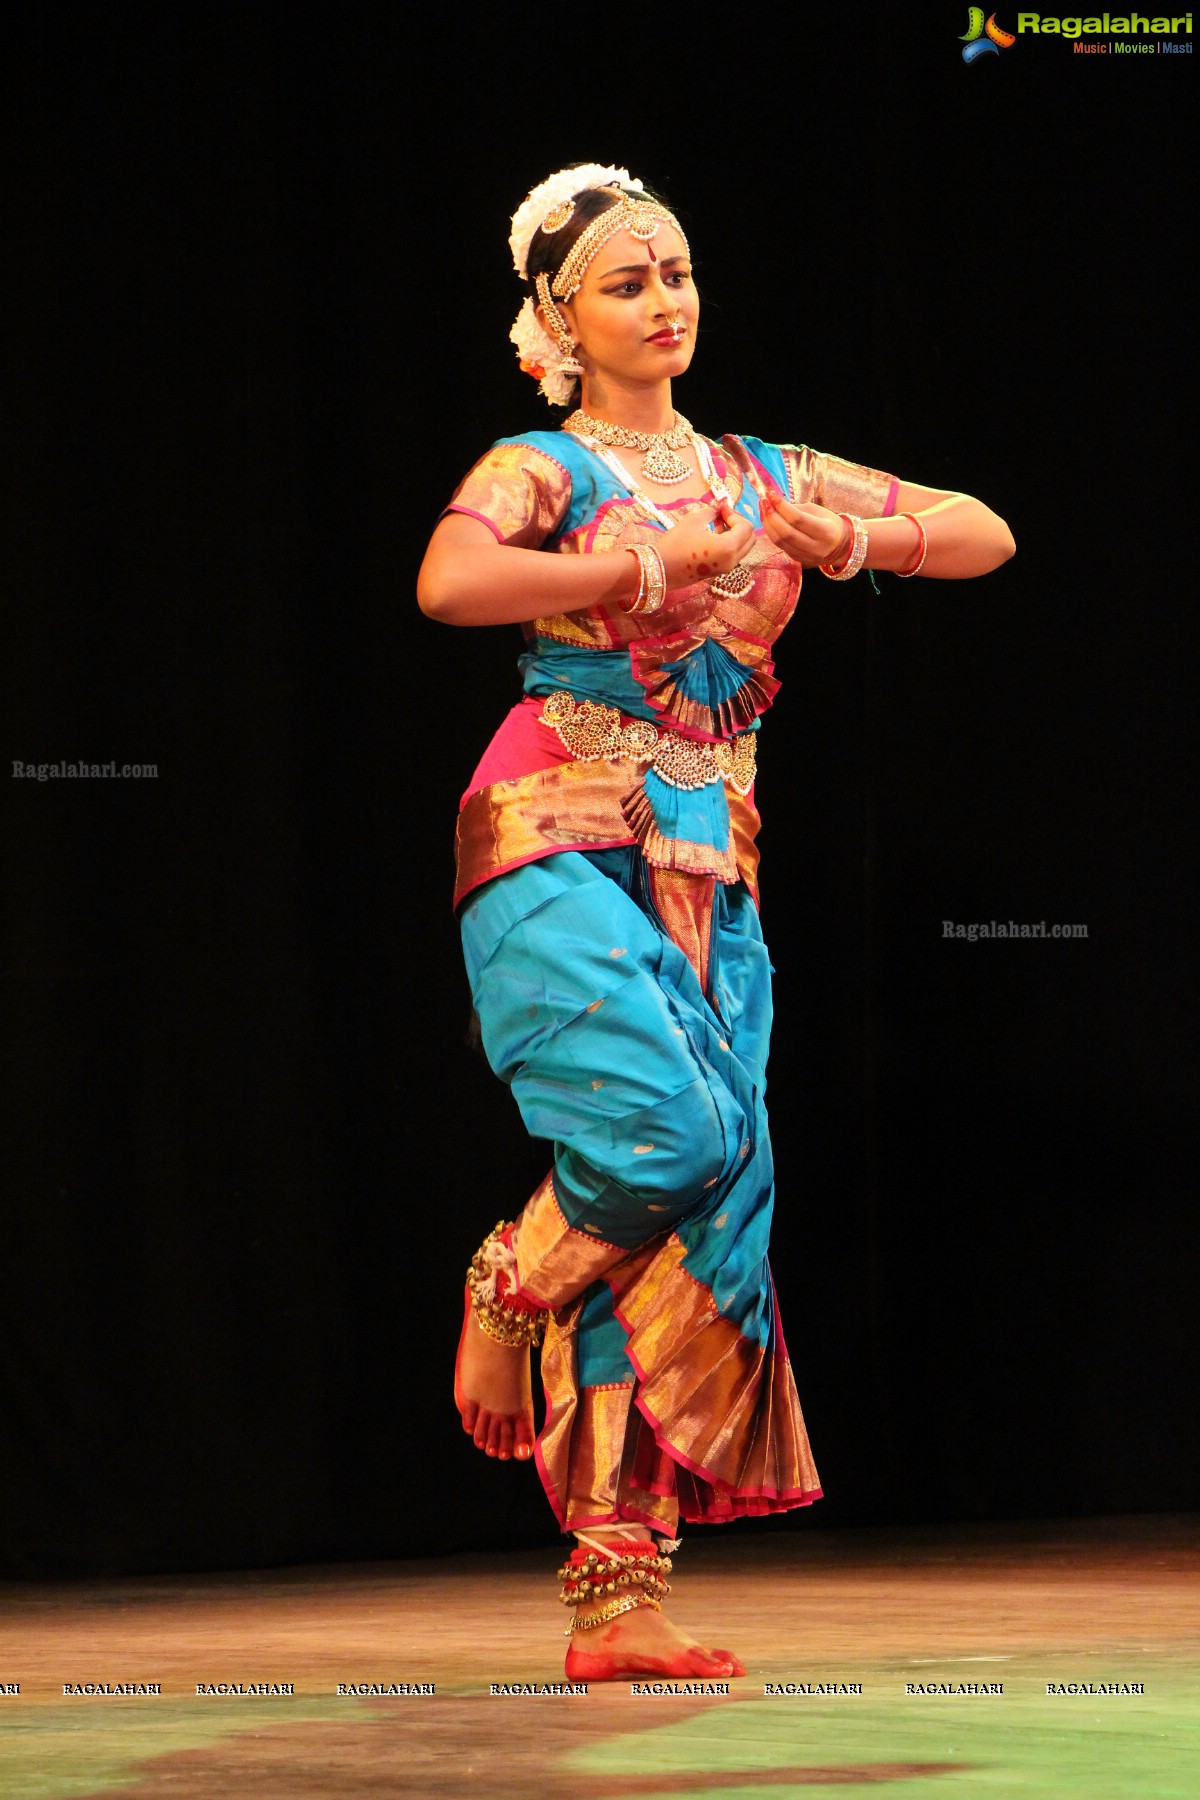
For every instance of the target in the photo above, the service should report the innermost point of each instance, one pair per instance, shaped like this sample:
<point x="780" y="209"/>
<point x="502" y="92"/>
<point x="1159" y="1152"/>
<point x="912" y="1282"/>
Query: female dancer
<point x="608" y="899"/>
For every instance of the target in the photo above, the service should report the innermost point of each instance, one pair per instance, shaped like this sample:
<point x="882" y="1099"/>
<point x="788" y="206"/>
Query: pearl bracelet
<point x="858" y="552"/>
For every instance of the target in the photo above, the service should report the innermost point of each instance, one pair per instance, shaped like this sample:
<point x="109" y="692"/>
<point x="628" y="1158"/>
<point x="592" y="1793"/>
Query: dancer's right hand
<point x="694" y="551"/>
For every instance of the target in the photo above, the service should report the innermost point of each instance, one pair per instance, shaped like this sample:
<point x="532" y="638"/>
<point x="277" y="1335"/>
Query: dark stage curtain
<point x="259" y="293"/>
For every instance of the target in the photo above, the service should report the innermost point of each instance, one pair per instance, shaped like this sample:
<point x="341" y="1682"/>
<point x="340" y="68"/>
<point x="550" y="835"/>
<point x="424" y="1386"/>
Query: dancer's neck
<point x="636" y="406"/>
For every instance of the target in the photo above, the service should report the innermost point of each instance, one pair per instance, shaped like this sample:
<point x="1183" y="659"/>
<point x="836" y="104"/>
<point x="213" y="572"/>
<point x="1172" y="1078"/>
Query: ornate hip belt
<point x="594" y="733"/>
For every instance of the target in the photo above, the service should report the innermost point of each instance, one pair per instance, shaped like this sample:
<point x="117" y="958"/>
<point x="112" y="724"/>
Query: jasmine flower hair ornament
<point x="548" y="355"/>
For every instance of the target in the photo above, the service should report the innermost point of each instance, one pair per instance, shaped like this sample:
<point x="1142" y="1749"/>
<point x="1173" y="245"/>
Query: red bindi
<point x="650" y="248"/>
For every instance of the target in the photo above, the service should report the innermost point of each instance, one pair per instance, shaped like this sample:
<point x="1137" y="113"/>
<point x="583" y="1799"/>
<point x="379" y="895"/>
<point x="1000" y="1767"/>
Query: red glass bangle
<point x="924" y="546"/>
<point x="846" y="519"/>
<point x="633" y="605"/>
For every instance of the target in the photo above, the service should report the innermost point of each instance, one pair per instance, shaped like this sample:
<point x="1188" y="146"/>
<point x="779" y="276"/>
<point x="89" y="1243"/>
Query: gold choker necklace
<point x="660" y="465"/>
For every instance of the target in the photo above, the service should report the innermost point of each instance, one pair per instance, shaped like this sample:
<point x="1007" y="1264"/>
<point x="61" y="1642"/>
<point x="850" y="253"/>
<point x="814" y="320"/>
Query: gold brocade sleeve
<point x="818" y="479"/>
<point x="517" y="490"/>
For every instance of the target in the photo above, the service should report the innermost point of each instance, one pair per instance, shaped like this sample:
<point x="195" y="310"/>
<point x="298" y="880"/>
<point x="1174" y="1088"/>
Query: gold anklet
<point x="613" y="1610"/>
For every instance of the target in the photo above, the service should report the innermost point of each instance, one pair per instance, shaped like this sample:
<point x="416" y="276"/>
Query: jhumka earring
<point x="558" y="328"/>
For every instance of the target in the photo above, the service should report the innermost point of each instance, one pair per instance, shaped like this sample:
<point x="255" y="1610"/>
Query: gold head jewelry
<point x="557" y="217"/>
<point x="558" y="328"/>
<point x="641" y="218"/>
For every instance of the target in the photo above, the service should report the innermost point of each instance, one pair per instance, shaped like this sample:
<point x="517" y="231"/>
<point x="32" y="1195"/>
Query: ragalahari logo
<point x="984" y="39"/>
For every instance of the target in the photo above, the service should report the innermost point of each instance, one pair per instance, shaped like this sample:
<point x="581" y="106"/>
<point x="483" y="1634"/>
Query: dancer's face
<point x="635" y="314"/>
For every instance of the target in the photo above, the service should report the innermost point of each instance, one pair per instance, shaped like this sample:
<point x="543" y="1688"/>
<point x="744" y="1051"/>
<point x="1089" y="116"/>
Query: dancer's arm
<point x="467" y="578"/>
<point x="964" y="536"/>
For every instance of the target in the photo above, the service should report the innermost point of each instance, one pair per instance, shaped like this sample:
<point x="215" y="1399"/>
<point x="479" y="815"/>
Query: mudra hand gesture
<point x="809" y="534"/>
<point x="708" y="543"/>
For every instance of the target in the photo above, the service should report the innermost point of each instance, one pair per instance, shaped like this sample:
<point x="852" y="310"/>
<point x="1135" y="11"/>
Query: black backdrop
<point x="261" y="295"/>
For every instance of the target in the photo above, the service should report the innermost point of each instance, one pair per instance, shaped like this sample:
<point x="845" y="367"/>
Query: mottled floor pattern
<point x="1110" y="1601"/>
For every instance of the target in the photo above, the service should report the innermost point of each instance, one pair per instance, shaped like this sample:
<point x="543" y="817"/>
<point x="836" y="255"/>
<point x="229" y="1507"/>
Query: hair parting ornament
<point x="549" y="354"/>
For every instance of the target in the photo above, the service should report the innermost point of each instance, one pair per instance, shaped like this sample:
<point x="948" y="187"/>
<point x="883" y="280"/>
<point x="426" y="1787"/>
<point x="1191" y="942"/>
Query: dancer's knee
<point x="641" y="1173"/>
<point x="680" y="1150"/>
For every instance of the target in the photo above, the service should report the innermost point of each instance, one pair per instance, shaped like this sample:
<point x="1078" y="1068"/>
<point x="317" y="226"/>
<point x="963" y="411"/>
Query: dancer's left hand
<point x="809" y="534"/>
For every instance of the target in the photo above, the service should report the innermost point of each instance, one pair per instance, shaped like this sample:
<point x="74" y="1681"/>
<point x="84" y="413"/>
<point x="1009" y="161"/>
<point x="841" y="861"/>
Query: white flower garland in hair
<point x="540" y="356"/>
<point x="551" y="193"/>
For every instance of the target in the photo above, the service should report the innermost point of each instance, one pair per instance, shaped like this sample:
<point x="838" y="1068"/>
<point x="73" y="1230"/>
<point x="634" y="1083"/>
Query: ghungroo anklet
<point x="627" y="1563"/>
<point x="501" y="1310"/>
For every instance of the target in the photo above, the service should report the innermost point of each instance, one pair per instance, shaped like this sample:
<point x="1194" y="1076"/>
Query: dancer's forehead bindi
<point x="668" y="252"/>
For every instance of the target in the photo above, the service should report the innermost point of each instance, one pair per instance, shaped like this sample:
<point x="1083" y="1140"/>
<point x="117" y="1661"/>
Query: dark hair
<point x="548" y="250"/>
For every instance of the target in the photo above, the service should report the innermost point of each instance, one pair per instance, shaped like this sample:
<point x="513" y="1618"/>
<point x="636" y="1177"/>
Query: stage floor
<point x="918" y="1625"/>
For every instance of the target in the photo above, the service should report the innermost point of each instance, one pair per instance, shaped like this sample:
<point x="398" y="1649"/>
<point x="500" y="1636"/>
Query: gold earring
<point x="559" y="330"/>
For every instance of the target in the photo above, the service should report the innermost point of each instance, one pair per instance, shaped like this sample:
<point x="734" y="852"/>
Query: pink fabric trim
<point x="668" y="637"/>
<point x="552" y="1494"/>
<point x="776" y="1321"/>
<point x="742" y="1501"/>
<point x="472" y="514"/>
<point x="630" y="1516"/>
<point x="589" y="531"/>
<point x="890" y="506"/>
<point x="624" y="500"/>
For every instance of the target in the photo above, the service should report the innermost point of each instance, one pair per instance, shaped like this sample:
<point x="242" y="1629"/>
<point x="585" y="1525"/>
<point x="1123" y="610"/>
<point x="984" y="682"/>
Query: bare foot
<point x="493" y="1393"/>
<point x="645" y="1643"/>
<point x="642" y="1641"/>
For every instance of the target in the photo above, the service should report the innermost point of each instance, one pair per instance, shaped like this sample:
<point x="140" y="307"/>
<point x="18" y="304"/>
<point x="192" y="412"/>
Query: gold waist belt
<point x="594" y="733"/>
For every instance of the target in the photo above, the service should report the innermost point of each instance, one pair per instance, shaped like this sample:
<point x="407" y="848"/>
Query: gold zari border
<point x="577" y="806"/>
<point x="728" y="1435"/>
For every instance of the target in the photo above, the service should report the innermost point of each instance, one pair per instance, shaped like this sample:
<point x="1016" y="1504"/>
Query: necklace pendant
<point x="733" y="584"/>
<point x="663" y="466"/>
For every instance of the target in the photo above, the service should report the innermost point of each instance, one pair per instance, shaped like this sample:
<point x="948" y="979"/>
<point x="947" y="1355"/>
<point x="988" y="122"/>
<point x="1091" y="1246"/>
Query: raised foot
<point x="492" y="1391"/>
<point x="645" y="1643"/>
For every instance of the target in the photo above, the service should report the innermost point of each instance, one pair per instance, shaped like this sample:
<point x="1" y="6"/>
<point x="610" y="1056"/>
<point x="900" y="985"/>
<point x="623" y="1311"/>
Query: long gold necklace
<point x="660" y="466"/>
<point x="735" y="582"/>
